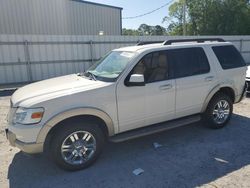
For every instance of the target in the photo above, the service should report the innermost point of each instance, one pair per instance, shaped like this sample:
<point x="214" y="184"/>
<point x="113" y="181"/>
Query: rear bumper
<point x="30" y="148"/>
<point x="243" y="94"/>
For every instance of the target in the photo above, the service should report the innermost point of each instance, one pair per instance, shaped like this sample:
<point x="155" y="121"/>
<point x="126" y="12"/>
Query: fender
<point x="71" y="113"/>
<point x="213" y="91"/>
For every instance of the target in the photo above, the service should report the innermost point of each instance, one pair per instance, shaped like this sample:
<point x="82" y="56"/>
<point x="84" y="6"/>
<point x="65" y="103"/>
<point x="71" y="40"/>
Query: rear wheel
<point x="77" y="146"/>
<point x="219" y="111"/>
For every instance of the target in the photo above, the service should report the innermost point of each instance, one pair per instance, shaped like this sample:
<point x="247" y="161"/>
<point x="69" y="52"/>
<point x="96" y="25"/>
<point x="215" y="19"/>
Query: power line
<point x="150" y="12"/>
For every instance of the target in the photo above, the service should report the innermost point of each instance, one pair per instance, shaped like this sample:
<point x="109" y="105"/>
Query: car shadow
<point x="190" y="156"/>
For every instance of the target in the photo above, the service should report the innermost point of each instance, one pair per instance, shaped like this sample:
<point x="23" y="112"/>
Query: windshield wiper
<point x="92" y="75"/>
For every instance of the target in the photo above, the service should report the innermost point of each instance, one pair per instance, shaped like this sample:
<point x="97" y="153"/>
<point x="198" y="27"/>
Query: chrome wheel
<point x="78" y="147"/>
<point x="221" y="112"/>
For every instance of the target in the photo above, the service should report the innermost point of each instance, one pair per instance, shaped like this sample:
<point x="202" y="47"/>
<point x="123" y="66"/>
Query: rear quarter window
<point x="229" y="57"/>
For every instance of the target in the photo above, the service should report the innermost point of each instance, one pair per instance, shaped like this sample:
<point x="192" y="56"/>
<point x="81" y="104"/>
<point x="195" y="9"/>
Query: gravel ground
<point x="190" y="156"/>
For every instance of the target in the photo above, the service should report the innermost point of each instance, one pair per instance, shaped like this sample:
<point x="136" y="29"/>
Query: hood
<point x="248" y="72"/>
<point x="54" y="86"/>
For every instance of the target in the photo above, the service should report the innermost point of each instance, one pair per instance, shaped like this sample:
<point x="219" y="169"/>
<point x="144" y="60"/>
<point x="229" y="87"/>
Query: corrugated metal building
<point x="58" y="17"/>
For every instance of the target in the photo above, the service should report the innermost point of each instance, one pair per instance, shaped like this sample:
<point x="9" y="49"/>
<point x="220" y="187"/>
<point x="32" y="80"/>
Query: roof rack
<point x="199" y="40"/>
<point x="148" y="42"/>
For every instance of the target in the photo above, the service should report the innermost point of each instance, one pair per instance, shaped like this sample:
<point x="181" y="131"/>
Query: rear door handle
<point x="209" y="78"/>
<point x="166" y="87"/>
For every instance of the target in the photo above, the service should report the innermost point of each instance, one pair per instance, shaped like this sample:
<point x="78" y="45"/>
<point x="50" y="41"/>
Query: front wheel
<point x="219" y="111"/>
<point x="76" y="146"/>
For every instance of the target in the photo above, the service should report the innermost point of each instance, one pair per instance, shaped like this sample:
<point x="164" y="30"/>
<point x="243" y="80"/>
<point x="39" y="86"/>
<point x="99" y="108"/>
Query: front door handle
<point x="166" y="87"/>
<point x="209" y="78"/>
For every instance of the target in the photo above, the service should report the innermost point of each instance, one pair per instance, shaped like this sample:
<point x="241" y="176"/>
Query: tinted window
<point x="153" y="66"/>
<point x="188" y="62"/>
<point x="229" y="57"/>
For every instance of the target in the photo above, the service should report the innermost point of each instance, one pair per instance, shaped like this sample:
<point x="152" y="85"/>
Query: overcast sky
<point x="137" y="7"/>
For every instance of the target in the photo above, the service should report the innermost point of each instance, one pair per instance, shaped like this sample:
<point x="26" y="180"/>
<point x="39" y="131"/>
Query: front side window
<point x="188" y="62"/>
<point x="153" y="66"/>
<point x="229" y="57"/>
<point x="111" y="66"/>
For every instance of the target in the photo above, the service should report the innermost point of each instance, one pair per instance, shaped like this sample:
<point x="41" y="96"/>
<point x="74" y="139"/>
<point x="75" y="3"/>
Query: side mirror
<point x="136" y="80"/>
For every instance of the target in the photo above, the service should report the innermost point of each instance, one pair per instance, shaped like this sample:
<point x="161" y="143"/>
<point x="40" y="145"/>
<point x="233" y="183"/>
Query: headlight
<point x="28" y="115"/>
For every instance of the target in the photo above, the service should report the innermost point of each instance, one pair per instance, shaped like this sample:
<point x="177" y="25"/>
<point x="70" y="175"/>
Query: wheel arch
<point x="79" y="113"/>
<point x="226" y="89"/>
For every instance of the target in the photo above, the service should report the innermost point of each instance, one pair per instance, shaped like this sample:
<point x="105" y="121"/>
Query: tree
<point x="210" y="17"/>
<point x="175" y="18"/>
<point x="159" y="30"/>
<point x="131" y="32"/>
<point x="145" y="29"/>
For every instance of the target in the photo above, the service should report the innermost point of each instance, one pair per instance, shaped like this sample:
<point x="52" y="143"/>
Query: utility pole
<point x="184" y="18"/>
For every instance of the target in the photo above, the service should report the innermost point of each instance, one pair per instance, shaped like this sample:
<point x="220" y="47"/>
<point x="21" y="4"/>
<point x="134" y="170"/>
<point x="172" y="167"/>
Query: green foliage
<point x="210" y="17"/>
<point x="131" y="32"/>
<point x="175" y="18"/>
<point x="145" y="29"/>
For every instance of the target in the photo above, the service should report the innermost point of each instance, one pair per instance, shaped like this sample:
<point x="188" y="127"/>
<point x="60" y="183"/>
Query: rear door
<point x="194" y="79"/>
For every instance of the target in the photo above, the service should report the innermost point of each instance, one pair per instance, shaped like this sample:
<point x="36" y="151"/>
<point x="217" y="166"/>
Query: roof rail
<point x="199" y="40"/>
<point x="140" y="43"/>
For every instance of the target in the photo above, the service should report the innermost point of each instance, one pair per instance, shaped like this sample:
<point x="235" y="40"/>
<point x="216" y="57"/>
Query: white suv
<point x="133" y="91"/>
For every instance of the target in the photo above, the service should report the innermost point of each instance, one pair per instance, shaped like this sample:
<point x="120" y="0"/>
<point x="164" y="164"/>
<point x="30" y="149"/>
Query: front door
<point x="152" y="103"/>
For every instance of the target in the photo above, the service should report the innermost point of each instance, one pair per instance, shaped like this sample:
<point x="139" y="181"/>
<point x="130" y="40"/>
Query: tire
<point x="80" y="143"/>
<point x="219" y="111"/>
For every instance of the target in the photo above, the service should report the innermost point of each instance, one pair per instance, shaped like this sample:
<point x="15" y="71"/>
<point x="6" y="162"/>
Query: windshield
<point x="110" y="67"/>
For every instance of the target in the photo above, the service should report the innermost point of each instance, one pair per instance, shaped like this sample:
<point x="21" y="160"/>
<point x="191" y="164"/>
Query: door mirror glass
<point x="136" y="80"/>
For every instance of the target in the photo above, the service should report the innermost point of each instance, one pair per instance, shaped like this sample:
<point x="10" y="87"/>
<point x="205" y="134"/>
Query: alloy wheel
<point x="221" y="112"/>
<point x="78" y="147"/>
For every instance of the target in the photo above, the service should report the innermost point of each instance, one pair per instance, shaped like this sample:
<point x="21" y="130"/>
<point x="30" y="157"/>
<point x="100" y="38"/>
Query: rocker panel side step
<point x="155" y="128"/>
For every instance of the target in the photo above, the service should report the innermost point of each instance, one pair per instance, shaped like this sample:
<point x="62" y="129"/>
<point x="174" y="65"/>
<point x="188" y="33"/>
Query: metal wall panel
<point x="28" y="58"/>
<point x="58" y="17"/>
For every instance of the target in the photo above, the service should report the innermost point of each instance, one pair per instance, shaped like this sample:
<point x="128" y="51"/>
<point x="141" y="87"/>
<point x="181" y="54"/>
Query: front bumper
<point x="30" y="148"/>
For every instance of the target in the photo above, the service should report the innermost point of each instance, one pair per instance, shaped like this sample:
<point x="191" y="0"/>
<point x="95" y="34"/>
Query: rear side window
<point x="188" y="62"/>
<point x="229" y="57"/>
